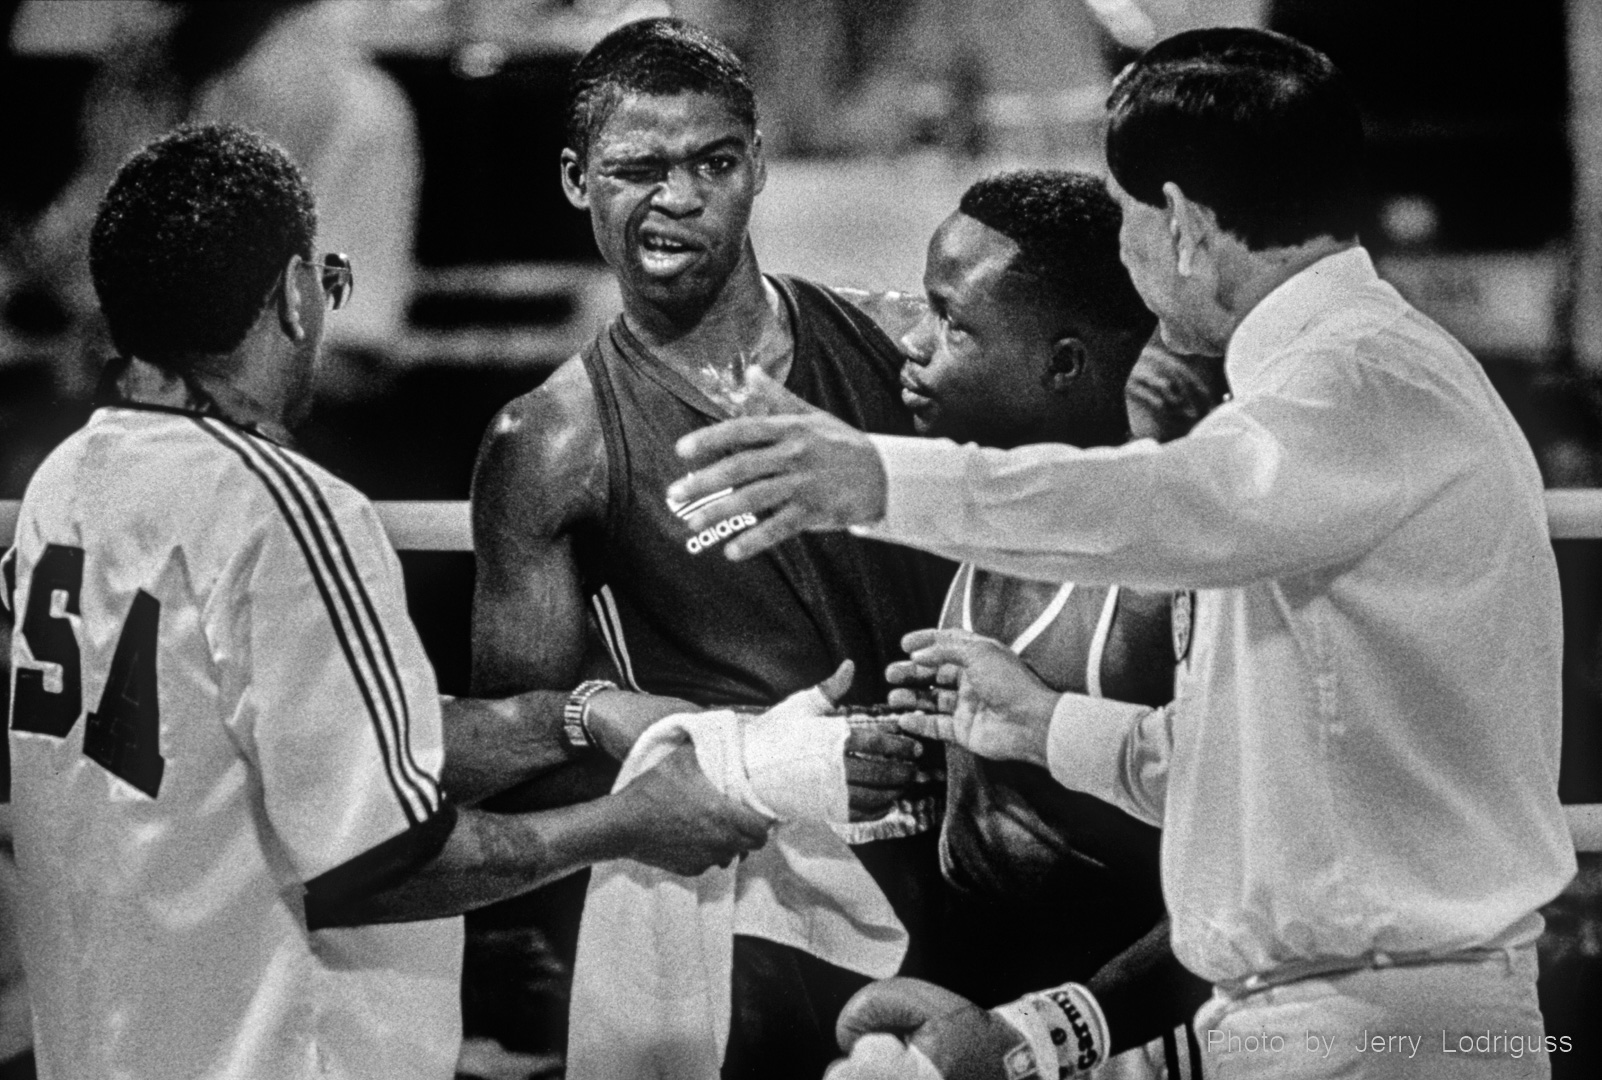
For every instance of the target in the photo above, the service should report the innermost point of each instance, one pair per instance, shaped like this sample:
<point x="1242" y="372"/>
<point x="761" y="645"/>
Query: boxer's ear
<point x="575" y="181"/>
<point x="1067" y="363"/>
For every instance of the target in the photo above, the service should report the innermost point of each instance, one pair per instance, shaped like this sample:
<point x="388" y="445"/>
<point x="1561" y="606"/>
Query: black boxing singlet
<point x="678" y="617"/>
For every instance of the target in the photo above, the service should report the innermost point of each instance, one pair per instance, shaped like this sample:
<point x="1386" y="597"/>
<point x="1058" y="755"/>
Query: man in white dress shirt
<point x="1357" y="780"/>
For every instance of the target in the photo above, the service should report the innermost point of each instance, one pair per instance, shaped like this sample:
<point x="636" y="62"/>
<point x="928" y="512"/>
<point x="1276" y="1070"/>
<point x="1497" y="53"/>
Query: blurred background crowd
<point x="430" y="131"/>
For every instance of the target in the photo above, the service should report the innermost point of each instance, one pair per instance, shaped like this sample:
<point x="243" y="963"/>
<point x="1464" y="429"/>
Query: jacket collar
<point x="1282" y="316"/>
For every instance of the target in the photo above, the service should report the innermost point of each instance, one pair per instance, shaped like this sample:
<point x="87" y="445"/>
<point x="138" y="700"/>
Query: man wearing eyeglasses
<point x="228" y="757"/>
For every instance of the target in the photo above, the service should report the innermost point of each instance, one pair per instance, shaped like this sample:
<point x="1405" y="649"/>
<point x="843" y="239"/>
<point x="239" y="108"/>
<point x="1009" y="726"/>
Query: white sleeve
<point x="1116" y="751"/>
<point x="326" y="686"/>
<point x="1307" y="472"/>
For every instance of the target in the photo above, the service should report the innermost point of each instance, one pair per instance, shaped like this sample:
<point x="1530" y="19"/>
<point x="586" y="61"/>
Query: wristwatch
<point x="575" y="714"/>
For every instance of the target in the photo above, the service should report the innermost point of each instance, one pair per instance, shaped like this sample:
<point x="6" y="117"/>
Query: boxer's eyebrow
<point x="626" y="159"/>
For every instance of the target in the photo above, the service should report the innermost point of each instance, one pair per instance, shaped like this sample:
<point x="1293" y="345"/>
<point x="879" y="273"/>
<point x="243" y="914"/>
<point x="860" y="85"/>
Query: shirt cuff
<point x="1085" y="744"/>
<point x="923" y="481"/>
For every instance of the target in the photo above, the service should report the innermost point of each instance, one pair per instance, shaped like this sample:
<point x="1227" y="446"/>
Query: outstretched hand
<point x="794" y="466"/>
<point x="986" y="699"/>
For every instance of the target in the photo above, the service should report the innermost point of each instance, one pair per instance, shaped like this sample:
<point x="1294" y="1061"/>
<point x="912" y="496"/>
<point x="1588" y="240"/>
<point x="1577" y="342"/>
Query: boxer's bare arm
<point x="1146" y="991"/>
<point x="542" y="475"/>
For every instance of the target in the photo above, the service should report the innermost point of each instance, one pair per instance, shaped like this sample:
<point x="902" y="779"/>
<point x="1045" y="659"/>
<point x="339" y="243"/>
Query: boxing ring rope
<point x="1574" y="514"/>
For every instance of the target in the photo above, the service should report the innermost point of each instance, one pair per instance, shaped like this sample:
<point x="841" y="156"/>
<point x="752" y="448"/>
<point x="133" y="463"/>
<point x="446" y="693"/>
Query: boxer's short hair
<point x="1066" y="227"/>
<point x="190" y="238"/>
<point x="653" y="56"/>
<point x="1256" y="126"/>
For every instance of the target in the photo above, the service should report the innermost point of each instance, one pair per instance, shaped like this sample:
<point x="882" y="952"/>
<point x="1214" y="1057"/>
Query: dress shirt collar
<point x="1281" y="316"/>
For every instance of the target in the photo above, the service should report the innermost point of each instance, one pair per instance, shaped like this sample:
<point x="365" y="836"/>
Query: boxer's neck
<point x="746" y="322"/>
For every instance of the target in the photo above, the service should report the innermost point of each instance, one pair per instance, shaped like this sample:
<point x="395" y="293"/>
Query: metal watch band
<point x="575" y="714"/>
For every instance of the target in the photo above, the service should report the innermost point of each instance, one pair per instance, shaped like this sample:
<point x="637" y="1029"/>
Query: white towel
<point x="652" y="982"/>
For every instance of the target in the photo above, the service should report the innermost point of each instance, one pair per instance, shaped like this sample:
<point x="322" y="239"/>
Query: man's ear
<point x="759" y="162"/>
<point x="1190" y="226"/>
<point x="1068" y="358"/>
<point x="575" y="183"/>
<point x="289" y="298"/>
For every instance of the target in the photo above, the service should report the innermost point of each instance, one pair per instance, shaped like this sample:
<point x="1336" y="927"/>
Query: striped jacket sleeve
<point x="336" y="704"/>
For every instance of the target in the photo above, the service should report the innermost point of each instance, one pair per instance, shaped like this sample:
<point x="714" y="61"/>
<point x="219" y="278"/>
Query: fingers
<point x="1176" y="389"/>
<point x="879" y="742"/>
<point x="1144" y="393"/>
<point x="919" y="640"/>
<point x="788" y="523"/>
<point x="835" y="686"/>
<point x="930" y="725"/>
<point x="758" y="482"/>
<point x="868" y="804"/>
<point x="906" y="673"/>
<point x="722" y="439"/>
<point x="948" y="655"/>
<point x="914" y="700"/>
<point x="877" y="772"/>
<point x="897" y="1006"/>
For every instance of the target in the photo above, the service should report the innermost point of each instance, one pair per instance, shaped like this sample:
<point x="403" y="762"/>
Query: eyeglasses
<point x="339" y="280"/>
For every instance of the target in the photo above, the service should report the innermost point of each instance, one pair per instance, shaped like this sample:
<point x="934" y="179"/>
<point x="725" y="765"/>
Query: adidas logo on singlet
<point x="711" y="537"/>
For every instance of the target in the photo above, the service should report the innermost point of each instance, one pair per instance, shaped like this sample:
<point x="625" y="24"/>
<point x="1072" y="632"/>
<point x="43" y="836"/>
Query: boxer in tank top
<point x="1032" y="331"/>
<point x="585" y="572"/>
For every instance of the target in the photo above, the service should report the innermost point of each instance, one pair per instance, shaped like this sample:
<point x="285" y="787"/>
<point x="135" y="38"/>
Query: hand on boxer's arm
<point x="795" y="467"/>
<point x="1057" y="1033"/>
<point x="674" y="819"/>
<point x="988" y="700"/>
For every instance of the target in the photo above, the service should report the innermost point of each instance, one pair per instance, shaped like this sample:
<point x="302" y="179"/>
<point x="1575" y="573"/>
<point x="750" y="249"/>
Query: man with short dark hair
<point x="1032" y="329"/>
<point x="1357" y="778"/>
<point x="228" y="759"/>
<point x="588" y="581"/>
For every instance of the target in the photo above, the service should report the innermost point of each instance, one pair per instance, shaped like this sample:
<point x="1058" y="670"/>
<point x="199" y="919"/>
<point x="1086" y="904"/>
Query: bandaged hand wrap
<point x="1065" y="1033"/>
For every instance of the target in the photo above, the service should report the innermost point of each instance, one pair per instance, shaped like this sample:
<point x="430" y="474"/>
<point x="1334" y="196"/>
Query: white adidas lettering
<point x="721" y="531"/>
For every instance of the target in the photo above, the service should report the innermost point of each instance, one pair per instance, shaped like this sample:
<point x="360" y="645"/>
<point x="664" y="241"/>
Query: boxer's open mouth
<point x="665" y="255"/>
